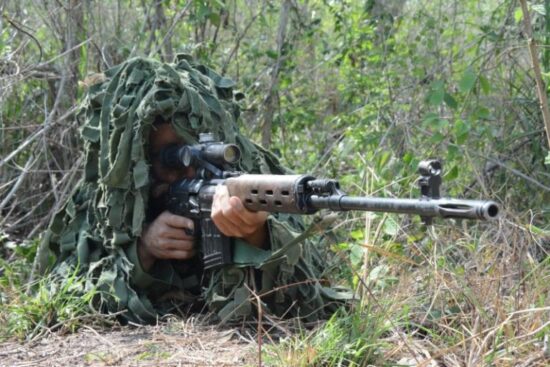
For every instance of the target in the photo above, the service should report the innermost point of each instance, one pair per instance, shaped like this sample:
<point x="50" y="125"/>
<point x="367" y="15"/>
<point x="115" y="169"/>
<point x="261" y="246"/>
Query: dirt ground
<point x="173" y="343"/>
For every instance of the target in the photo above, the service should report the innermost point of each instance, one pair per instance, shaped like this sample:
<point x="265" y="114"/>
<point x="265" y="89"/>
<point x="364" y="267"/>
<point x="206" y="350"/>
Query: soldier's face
<point x="161" y="136"/>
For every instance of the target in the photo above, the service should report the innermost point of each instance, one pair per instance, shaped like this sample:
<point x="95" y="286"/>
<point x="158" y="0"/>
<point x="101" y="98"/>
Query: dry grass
<point x="172" y="343"/>
<point x="474" y="298"/>
<point x="474" y="301"/>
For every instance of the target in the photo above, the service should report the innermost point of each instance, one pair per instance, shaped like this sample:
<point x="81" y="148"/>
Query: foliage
<point x="29" y="310"/>
<point x="347" y="338"/>
<point x="359" y="90"/>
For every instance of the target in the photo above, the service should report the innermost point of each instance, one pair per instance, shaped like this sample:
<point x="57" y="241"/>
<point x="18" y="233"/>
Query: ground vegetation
<point x="356" y="90"/>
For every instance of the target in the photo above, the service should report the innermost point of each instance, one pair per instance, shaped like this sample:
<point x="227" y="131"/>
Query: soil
<point x="173" y="343"/>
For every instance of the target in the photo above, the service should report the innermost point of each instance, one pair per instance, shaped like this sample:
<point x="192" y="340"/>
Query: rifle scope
<point x="207" y="151"/>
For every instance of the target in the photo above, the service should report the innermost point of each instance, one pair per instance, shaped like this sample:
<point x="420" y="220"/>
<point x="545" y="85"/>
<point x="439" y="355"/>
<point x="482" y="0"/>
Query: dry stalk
<point x="260" y="317"/>
<point x="541" y="88"/>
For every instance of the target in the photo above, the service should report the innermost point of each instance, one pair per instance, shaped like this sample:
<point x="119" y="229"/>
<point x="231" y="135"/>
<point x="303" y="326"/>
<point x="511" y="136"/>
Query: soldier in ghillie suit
<point x="140" y="258"/>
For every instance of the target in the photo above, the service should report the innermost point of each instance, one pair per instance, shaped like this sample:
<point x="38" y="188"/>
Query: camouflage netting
<point x="97" y="229"/>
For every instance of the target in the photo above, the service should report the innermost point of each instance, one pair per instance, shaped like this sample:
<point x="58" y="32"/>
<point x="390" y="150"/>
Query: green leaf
<point x="383" y="160"/>
<point x="547" y="159"/>
<point x="272" y="54"/>
<point x="468" y="81"/>
<point x="214" y="18"/>
<point x="437" y="93"/>
<point x="485" y="85"/>
<point x="538" y="8"/>
<point x="203" y="11"/>
<point x="356" y="254"/>
<point x="220" y="4"/>
<point x="461" y="131"/>
<point x="378" y="272"/>
<point x="407" y="158"/>
<point x="538" y="231"/>
<point x="441" y="124"/>
<point x="358" y="234"/>
<point x="430" y="23"/>
<point x="452" y="153"/>
<point x="437" y="138"/>
<point x="391" y="227"/>
<point x="434" y="122"/>
<point x="430" y="119"/>
<point x="343" y="246"/>
<point x="452" y="174"/>
<point x="482" y="113"/>
<point x="518" y="14"/>
<point x="450" y="101"/>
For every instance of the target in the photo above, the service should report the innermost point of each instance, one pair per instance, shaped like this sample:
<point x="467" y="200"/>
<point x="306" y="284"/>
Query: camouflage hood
<point x="98" y="228"/>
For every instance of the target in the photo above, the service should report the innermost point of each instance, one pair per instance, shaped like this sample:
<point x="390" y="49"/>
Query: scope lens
<point x="231" y="154"/>
<point x="186" y="157"/>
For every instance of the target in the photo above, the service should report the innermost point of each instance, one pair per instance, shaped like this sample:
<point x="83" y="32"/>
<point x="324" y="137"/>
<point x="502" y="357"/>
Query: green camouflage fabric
<point x="98" y="227"/>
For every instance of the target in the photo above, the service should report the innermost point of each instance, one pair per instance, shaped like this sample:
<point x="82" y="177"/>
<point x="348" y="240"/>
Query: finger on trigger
<point x="180" y="222"/>
<point x="180" y="245"/>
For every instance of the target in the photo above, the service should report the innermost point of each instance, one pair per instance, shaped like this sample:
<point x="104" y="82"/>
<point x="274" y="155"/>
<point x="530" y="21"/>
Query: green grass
<point x="30" y="310"/>
<point x="152" y="352"/>
<point x="467" y="298"/>
<point x="348" y="338"/>
<point x="470" y="299"/>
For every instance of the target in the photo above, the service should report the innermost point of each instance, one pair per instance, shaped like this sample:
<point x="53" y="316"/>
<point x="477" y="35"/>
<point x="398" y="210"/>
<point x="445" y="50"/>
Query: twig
<point x="66" y="191"/>
<point x="103" y="339"/>
<point x="168" y="34"/>
<point x="529" y="310"/>
<point x="240" y="38"/>
<point x="20" y="29"/>
<point x="272" y="99"/>
<point x="66" y="52"/>
<point x="496" y="161"/>
<point x="388" y="254"/>
<point x="541" y="88"/>
<point x="62" y="183"/>
<point x="36" y="135"/>
<point x="23" y="145"/>
<point x="493" y="166"/>
<point x="18" y="183"/>
<point x="520" y="174"/>
<point x="260" y="313"/>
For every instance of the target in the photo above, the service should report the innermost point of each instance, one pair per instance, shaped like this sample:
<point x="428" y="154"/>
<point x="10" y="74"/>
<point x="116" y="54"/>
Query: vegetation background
<point x="358" y="90"/>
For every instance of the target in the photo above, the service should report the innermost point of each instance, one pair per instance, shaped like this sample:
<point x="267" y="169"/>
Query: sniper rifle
<point x="298" y="194"/>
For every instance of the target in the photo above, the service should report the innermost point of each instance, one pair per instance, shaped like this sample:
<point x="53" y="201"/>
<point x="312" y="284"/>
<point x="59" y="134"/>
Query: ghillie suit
<point x="98" y="227"/>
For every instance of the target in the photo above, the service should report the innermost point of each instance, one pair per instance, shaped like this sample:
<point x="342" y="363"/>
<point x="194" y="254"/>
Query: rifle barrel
<point x="445" y="208"/>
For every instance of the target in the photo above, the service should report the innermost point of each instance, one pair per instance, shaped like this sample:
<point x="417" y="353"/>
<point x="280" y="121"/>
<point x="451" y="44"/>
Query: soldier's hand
<point x="169" y="236"/>
<point x="234" y="220"/>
